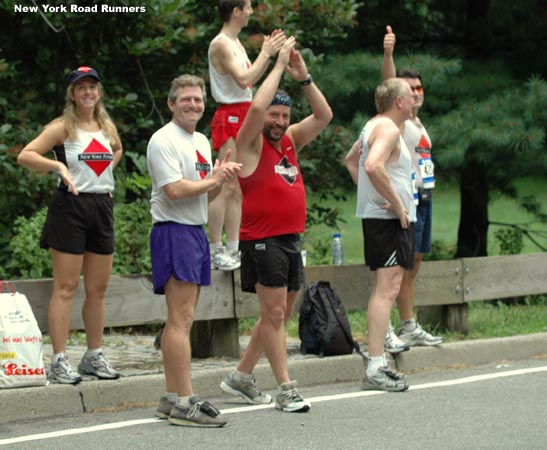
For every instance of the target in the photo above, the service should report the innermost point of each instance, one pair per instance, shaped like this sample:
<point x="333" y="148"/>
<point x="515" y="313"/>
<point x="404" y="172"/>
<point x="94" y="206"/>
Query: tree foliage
<point x="137" y="55"/>
<point x="482" y="71"/>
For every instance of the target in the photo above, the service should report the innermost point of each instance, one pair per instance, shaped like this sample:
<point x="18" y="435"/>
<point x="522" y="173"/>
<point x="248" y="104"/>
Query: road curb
<point x="473" y="352"/>
<point x="144" y="390"/>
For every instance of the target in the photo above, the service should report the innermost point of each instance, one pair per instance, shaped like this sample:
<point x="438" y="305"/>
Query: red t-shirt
<point x="274" y="198"/>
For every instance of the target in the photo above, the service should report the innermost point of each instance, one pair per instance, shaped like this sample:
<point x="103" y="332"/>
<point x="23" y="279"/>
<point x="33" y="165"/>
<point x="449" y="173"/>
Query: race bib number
<point x="427" y="170"/>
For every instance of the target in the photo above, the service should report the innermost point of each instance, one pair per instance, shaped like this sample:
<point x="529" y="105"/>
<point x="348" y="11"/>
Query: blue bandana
<point x="281" y="99"/>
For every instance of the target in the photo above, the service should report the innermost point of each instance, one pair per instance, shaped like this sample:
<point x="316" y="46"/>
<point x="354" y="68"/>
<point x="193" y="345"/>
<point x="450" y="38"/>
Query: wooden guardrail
<point x="449" y="285"/>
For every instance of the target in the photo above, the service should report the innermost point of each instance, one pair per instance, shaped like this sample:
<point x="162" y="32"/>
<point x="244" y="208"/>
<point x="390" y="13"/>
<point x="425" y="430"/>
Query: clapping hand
<point x="226" y="170"/>
<point x="273" y="43"/>
<point x="297" y="68"/>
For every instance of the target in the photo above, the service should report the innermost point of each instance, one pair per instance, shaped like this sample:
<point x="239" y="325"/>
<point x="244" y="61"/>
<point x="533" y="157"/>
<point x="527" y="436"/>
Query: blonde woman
<point x="79" y="228"/>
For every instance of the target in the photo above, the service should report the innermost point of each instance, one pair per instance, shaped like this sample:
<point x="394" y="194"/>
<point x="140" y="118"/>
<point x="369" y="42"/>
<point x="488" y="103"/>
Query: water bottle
<point x="337" y="250"/>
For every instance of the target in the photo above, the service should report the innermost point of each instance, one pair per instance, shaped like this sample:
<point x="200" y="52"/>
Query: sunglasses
<point x="418" y="89"/>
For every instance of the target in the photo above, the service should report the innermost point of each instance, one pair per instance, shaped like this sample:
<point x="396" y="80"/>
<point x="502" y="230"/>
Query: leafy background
<point x="482" y="69"/>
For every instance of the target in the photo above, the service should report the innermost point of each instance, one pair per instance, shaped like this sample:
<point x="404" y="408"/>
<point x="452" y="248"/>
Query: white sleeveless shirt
<point x="224" y="89"/>
<point x="418" y="143"/>
<point x="89" y="159"/>
<point x="369" y="201"/>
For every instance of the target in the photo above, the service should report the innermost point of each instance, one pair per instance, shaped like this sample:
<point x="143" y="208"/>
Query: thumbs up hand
<point x="389" y="40"/>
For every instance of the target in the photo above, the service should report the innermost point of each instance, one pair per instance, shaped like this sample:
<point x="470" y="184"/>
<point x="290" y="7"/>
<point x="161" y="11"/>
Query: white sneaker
<point x="392" y="343"/>
<point x="225" y="260"/>
<point x="246" y="389"/>
<point x="289" y="400"/>
<point x="419" y="336"/>
<point x="385" y="380"/>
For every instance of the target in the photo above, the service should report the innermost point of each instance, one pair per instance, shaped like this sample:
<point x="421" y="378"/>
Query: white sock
<point x="409" y="325"/>
<point x="374" y="363"/>
<point x="215" y="248"/>
<point x="57" y="356"/>
<point x="238" y="375"/>
<point x="184" y="402"/>
<point x="93" y="352"/>
<point x="171" y="396"/>
<point x="232" y="246"/>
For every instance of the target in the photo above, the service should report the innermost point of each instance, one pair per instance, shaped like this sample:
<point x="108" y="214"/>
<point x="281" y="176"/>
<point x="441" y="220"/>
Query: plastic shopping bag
<point x="21" y="351"/>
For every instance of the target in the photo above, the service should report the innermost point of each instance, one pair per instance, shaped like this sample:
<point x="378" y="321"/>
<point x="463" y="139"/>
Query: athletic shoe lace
<point x="292" y="394"/>
<point x="99" y="362"/>
<point x="250" y="385"/>
<point x="66" y="367"/>
<point x="391" y="374"/>
<point x="195" y="410"/>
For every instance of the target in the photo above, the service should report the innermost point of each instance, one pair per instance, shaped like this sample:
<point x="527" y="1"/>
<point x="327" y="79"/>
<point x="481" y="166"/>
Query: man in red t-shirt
<point x="274" y="215"/>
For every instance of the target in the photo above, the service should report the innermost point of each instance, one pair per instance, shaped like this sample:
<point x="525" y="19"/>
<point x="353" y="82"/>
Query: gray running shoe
<point x="246" y="389"/>
<point x="199" y="414"/>
<point x="97" y="366"/>
<point x="164" y="408"/>
<point x="225" y="260"/>
<point x="419" y="337"/>
<point x="62" y="372"/>
<point x="392" y="344"/>
<point x="385" y="380"/>
<point x="289" y="400"/>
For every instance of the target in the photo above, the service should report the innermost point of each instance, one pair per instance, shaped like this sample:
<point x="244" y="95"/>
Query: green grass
<point x="486" y="320"/>
<point x="446" y="215"/>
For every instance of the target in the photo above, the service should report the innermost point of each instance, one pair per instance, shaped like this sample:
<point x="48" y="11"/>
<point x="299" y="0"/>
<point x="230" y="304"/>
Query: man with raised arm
<point x="274" y="216"/>
<point x="419" y="144"/>
<point x="232" y="76"/>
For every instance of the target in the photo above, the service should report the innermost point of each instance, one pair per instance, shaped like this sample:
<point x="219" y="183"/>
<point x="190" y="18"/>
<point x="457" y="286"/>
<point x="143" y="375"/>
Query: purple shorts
<point x="179" y="251"/>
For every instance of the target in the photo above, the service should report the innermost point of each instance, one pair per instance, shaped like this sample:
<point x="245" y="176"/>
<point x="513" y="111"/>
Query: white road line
<point x="54" y="434"/>
<point x="243" y="409"/>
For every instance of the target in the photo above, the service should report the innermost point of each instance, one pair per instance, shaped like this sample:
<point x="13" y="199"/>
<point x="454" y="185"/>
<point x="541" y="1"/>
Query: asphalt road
<point x="493" y="406"/>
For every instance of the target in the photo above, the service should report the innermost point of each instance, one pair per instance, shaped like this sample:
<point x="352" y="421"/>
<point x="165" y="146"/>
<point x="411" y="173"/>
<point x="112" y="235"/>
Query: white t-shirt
<point x="172" y="155"/>
<point x="369" y="201"/>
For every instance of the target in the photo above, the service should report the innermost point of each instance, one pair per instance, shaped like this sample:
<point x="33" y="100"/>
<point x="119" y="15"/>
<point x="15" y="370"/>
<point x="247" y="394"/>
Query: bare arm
<point x="352" y="160"/>
<point x="248" y="140"/>
<point x="388" y="64"/>
<point x="223" y="58"/>
<point x="383" y="143"/>
<point x="306" y="130"/>
<point x="32" y="156"/>
<point x="117" y="150"/>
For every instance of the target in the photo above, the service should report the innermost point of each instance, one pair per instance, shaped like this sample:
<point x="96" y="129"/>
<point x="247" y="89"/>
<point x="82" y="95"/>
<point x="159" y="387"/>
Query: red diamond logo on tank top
<point x="202" y="165"/>
<point x="424" y="143"/>
<point x="97" y="157"/>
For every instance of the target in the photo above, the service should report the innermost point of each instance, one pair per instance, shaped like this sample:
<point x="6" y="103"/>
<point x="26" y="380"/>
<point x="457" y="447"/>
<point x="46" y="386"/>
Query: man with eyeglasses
<point x="419" y="144"/>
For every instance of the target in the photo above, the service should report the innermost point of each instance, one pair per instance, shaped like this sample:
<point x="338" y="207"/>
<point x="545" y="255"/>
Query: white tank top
<point x="419" y="144"/>
<point x="369" y="201"/>
<point x="89" y="159"/>
<point x="224" y="89"/>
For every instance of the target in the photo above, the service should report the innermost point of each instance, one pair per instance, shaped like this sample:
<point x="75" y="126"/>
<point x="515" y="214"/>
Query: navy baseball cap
<point x="81" y="72"/>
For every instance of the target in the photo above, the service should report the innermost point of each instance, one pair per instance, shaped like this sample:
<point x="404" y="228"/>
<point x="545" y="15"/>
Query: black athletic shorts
<point x="387" y="244"/>
<point x="272" y="262"/>
<point x="79" y="223"/>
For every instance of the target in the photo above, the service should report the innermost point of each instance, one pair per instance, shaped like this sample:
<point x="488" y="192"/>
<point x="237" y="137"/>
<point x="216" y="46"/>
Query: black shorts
<point x="79" y="223"/>
<point x="387" y="244"/>
<point x="273" y="262"/>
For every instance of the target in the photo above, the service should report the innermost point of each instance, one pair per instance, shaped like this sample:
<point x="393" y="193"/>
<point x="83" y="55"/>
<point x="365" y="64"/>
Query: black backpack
<point x="323" y="325"/>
